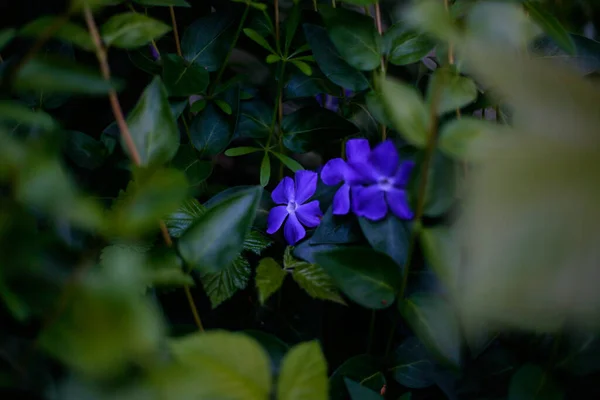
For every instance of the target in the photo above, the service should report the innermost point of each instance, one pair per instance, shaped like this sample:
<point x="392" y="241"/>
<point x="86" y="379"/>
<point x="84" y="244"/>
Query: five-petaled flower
<point x="291" y="197"/>
<point x="375" y="180"/>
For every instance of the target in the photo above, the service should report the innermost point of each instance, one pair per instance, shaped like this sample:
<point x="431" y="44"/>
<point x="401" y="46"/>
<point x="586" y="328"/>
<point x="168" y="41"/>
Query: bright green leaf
<point x="255" y="36"/>
<point x="241" y="151"/>
<point x="302" y="66"/>
<point x="130" y="30"/>
<point x="226" y="108"/>
<point x="198" y="106"/>
<point x="292" y="164"/>
<point x="303" y="374"/>
<point x="314" y="281"/>
<point x="269" y="278"/>
<point x="272" y="59"/>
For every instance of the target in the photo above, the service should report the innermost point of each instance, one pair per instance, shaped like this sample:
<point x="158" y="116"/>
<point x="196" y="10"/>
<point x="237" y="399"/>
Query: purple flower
<point x="375" y="180"/>
<point x="330" y="102"/>
<point x="154" y="52"/>
<point x="291" y="198"/>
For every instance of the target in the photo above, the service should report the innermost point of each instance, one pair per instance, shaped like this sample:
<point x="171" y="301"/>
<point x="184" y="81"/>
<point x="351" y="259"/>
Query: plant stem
<point x="175" y="31"/>
<point x="122" y="124"/>
<point x="277" y="34"/>
<point x="379" y="26"/>
<point x="315" y="5"/>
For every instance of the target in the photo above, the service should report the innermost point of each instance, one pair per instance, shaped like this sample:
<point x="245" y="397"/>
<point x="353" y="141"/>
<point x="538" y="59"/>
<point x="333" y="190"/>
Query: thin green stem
<point x="315" y="6"/>
<point x="333" y="3"/>
<point x="379" y="26"/>
<point x="238" y="32"/>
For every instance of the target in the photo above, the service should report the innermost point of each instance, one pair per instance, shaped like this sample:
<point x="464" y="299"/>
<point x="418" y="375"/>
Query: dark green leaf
<point x="530" y="382"/>
<point x="292" y="164"/>
<point x="265" y="170"/>
<point x="255" y="36"/>
<point x="376" y="108"/>
<point x="84" y="150"/>
<point x="130" y="30"/>
<point x="390" y="236"/>
<point x="359" y="392"/>
<point x="174" y="3"/>
<point x="207" y="40"/>
<point x="255" y="120"/>
<point x="210" y="131"/>
<point x="331" y="62"/>
<point x="222" y="285"/>
<point x="68" y="32"/>
<point x="453" y="90"/>
<point x="551" y="25"/>
<point x="300" y="85"/>
<point x="241" y="151"/>
<point x="269" y="278"/>
<point x="143" y="59"/>
<point x="310" y="127"/>
<point x="55" y="75"/>
<point x="441" y="185"/>
<point x="439" y="246"/>
<point x="364" y="369"/>
<point x="412" y="366"/>
<point x="435" y="323"/>
<point x="361" y="2"/>
<point x="188" y="212"/>
<point x="585" y="60"/>
<point x="366" y="276"/>
<point x="307" y="252"/>
<point x="215" y="240"/>
<point x="17" y="113"/>
<point x="355" y="37"/>
<point x="303" y="373"/>
<point x="152" y="126"/>
<point x="187" y="160"/>
<point x="183" y="79"/>
<point x="177" y="108"/>
<point x="6" y="35"/>
<point x="291" y="26"/>
<point x="406" y="47"/>
<point x="336" y="229"/>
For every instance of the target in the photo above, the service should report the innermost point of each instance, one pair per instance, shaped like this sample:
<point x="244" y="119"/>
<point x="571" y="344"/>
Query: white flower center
<point x="385" y="183"/>
<point x="291" y="207"/>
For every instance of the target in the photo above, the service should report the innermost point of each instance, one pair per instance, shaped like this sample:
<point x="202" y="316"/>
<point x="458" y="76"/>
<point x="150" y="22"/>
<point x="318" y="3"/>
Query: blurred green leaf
<point x="441" y="188"/>
<point x="366" y="276"/>
<point x="183" y="79"/>
<point x="404" y="46"/>
<point x="6" y="35"/>
<point x="450" y="91"/>
<point x="174" y="3"/>
<point x="364" y="369"/>
<point x="331" y="62"/>
<point x="226" y="108"/>
<point x="359" y="392"/>
<point x="68" y="31"/>
<point x="215" y="240"/>
<point x="19" y="114"/>
<point x="354" y="36"/>
<point x="431" y="17"/>
<point x="389" y="235"/>
<point x="78" y="5"/>
<point x="361" y="2"/>
<point x="303" y="373"/>
<point x="210" y="131"/>
<point x="439" y="248"/>
<point x="551" y="25"/>
<point x="273" y="345"/>
<point x="531" y="382"/>
<point x="269" y="278"/>
<point x="310" y="127"/>
<point x="586" y="58"/>
<point x="457" y="137"/>
<point x="303" y="67"/>
<point x="198" y="106"/>
<point x="291" y="27"/>
<point x="265" y="170"/>
<point x="152" y="126"/>
<point x="84" y="150"/>
<point x="411" y="366"/>
<point x="130" y="30"/>
<point x="207" y="40"/>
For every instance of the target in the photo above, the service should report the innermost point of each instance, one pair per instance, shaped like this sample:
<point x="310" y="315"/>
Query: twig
<point x="118" y="113"/>
<point x="175" y="31"/>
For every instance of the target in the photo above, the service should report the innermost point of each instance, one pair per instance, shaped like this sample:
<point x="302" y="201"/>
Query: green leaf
<point x="84" y="150"/>
<point x="241" y="151"/>
<point x="272" y="58"/>
<point x="354" y="36"/>
<point x="210" y="131"/>
<point x="179" y="221"/>
<point x="69" y="32"/>
<point x="405" y="46"/>
<point x="6" y="35"/>
<point x="406" y="111"/>
<point x="255" y="120"/>
<point x="183" y="79"/>
<point x="315" y="281"/>
<point x="303" y="374"/>
<point x="255" y="36"/>
<point x="434" y="322"/>
<point x="366" y="276"/>
<point x="551" y="25"/>
<point x="310" y="127"/>
<point x="152" y="126"/>
<point x="291" y="26"/>
<point x="226" y="108"/>
<point x="173" y="3"/>
<point x="273" y="345"/>
<point x="585" y="60"/>
<point x="439" y="246"/>
<point x="359" y="392"/>
<point x="450" y="91"/>
<point x="389" y="235"/>
<point x="361" y="2"/>
<point x="432" y="17"/>
<point x="256" y="242"/>
<point x="197" y="171"/>
<point x="78" y="5"/>
<point x="336" y="229"/>
<point x="376" y="108"/>
<point x="207" y="40"/>
<point x="198" y="106"/>
<point x="57" y="75"/>
<point x="265" y="170"/>
<point x="299" y="85"/>
<point x="215" y="365"/>
<point x="224" y="284"/>
<point x="142" y="58"/>
<point x="215" y="240"/>
<point x="269" y="278"/>
<point x="412" y="366"/>
<point x="130" y="30"/>
<point x="441" y="189"/>
<point x="148" y="200"/>
<point x="165" y="269"/>
<point x="302" y="66"/>
<point x="20" y="114"/>
<point x="530" y="382"/>
<point x="459" y="136"/>
<point x="364" y="369"/>
<point x="331" y="62"/>
<point x="292" y="164"/>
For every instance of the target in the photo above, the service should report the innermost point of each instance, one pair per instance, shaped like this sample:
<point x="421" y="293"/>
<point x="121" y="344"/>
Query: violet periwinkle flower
<point x="291" y="196"/>
<point x="154" y="52"/>
<point x="330" y="102"/>
<point x="375" y="180"/>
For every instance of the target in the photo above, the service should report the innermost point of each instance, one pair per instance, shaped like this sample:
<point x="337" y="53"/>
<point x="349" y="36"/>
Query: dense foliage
<point x="299" y="200"/>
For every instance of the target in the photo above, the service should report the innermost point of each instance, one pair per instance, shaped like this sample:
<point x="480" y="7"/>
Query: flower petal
<point x="306" y="185"/>
<point x="369" y="202"/>
<point x="384" y="158"/>
<point x="333" y="172"/>
<point x="403" y="174"/>
<point x="309" y="214"/>
<point x="276" y="217"/>
<point x="360" y="173"/>
<point x="293" y="230"/>
<point x="357" y="150"/>
<point x="284" y="192"/>
<point x="398" y="201"/>
<point x="341" y="200"/>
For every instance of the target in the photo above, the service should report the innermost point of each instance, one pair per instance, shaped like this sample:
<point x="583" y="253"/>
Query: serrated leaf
<point x="315" y="281"/>
<point x="224" y="284"/>
<point x="130" y="30"/>
<point x="188" y="212"/>
<point x="269" y="278"/>
<point x="303" y="374"/>
<point x="256" y="242"/>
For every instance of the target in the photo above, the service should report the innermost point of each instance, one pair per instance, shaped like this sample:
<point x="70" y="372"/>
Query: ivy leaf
<point x="359" y="392"/>
<point x="310" y="127"/>
<point x="130" y="30"/>
<point x="303" y="374"/>
<point x="412" y="366"/>
<point x="331" y="62"/>
<point x="209" y="364"/>
<point x="224" y="284"/>
<point x="68" y="32"/>
<point x="216" y="239"/>
<point x="210" y="131"/>
<point x="183" y="79"/>
<point x="207" y="40"/>
<point x="366" y="276"/>
<point x="269" y="278"/>
<point x="152" y="126"/>
<point x="454" y="91"/>
<point x="355" y="37"/>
